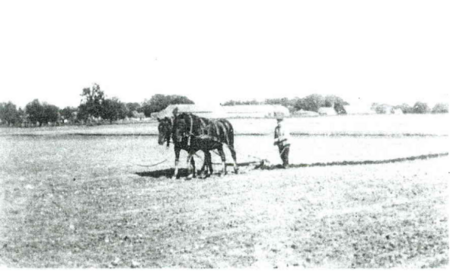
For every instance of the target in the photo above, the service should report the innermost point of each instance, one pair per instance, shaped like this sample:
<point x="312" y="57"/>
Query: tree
<point x="177" y="99"/>
<point x="336" y="102"/>
<point x="68" y="113"/>
<point x="421" y="107"/>
<point x="279" y="101"/>
<point x="51" y="113"/>
<point x="159" y="102"/>
<point x="232" y="103"/>
<point x="131" y="107"/>
<point x="92" y="100"/>
<point x="440" y="108"/>
<point x="9" y="113"/>
<point x="379" y="108"/>
<point x="35" y="112"/>
<point x="113" y="109"/>
<point x="156" y="103"/>
<point x="300" y="104"/>
<point x="2" y="108"/>
<point x="313" y="102"/>
<point x="405" y="108"/>
<point x="139" y="115"/>
<point x="333" y="100"/>
<point x="82" y="113"/>
<point x="41" y="113"/>
<point x="22" y="115"/>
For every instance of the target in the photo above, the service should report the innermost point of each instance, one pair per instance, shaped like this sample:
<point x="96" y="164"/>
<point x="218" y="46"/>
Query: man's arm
<point x="285" y="134"/>
<point x="276" y="140"/>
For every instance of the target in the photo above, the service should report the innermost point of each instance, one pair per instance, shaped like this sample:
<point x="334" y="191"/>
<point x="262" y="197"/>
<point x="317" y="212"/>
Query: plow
<point x="264" y="164"/>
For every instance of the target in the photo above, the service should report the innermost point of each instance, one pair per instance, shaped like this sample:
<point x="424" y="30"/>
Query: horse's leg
<point x="210" y="163"/>
<point x="207" y="166"/>
<point x="233" y="154"/>
<point x="177" y="159"/>
<point x="202" y="170"/>
<point x="194" y="171"/>
<point x="222" y="156"/>
<point x="190" y="165"/>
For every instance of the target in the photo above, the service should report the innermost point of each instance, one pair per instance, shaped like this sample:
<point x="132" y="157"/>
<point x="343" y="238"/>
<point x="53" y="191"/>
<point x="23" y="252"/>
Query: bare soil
<point x="83" y="202"/>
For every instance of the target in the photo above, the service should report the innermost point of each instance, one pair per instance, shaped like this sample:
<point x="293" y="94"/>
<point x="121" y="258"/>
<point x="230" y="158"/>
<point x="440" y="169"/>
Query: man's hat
<point x="279" y="116"/>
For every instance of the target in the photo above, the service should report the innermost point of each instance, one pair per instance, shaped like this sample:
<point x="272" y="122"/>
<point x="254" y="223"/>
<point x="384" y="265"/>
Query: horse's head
<point x="164" y="130"/>
<point x="180" y="130"/>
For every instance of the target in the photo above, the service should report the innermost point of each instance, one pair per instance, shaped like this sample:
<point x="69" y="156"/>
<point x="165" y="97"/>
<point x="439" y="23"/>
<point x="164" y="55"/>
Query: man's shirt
<point x="282" y="135"/>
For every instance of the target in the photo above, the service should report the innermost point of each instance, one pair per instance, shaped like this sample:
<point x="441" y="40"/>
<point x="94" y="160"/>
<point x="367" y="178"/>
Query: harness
<point x="217" y="125"/>
<point x="190" y="130"/>
<point x="203" y="124"/>
<point x="171" y="127"/>
<point x="208" y="137"/>
<point x="214" y="123"/>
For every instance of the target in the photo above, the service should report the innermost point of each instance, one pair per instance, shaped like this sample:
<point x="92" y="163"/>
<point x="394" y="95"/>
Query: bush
<point x="69" y="113"/>
<point x="405" y="108"/>
<point x="440" y="108"/>
<point x="9" y="113"/>
<point x="159" y="102"/>
<point x="113" y="110"/>
<point x="421" y="108"/>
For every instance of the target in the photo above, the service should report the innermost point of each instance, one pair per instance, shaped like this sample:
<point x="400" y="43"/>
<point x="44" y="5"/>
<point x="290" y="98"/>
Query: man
<point x="282" y="140"/>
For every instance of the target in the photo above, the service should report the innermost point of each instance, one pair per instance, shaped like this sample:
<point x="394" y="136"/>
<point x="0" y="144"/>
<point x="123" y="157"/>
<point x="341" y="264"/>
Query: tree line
<point x="95" y="107"/>
<point x="417" y="108"/>
<point x="309" y="103"/>
<point x="314" y="102"/>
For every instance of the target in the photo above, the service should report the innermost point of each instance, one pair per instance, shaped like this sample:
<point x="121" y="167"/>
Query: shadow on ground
<point x="168" y="173"/>
<point x="265" y="165"/>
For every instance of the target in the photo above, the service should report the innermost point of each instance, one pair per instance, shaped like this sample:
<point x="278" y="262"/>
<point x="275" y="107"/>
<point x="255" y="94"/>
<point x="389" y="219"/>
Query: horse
<point x="193" y="133"/>
<point x="165" y="133"/>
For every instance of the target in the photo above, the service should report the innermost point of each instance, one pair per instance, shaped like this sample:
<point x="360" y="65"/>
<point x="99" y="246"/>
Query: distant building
<point x="387" y="109"/>
<point x="358" y="109"/>
<point x="236" y="111"/>
<point x="255" y="111"/>
<point x="328" y="111"/>
<point x="397" y="111"/>
<point x="202" y="111"/>
<point x="304" y="113"/>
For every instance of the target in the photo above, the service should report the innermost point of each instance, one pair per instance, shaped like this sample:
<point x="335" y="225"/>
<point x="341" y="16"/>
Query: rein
<point x="190" y="130"/>
<point x="170" y="132"/>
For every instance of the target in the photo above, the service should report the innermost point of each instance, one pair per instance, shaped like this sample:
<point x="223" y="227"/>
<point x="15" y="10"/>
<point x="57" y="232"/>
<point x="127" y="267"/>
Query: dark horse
<point x="165" y="130"/>
<point x="192" y="133"/>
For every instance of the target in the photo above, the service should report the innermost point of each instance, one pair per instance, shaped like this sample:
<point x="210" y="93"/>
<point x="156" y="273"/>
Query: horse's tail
<point x="230" y="133"/>
<point x="230" y="140"/>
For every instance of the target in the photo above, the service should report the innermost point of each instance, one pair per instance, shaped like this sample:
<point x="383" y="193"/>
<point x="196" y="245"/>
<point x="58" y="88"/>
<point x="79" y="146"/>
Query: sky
<point x="214" y="51"/>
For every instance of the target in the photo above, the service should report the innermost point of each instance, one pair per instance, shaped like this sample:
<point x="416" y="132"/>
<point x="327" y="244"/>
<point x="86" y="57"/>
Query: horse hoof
<point x="204" y="175"/>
